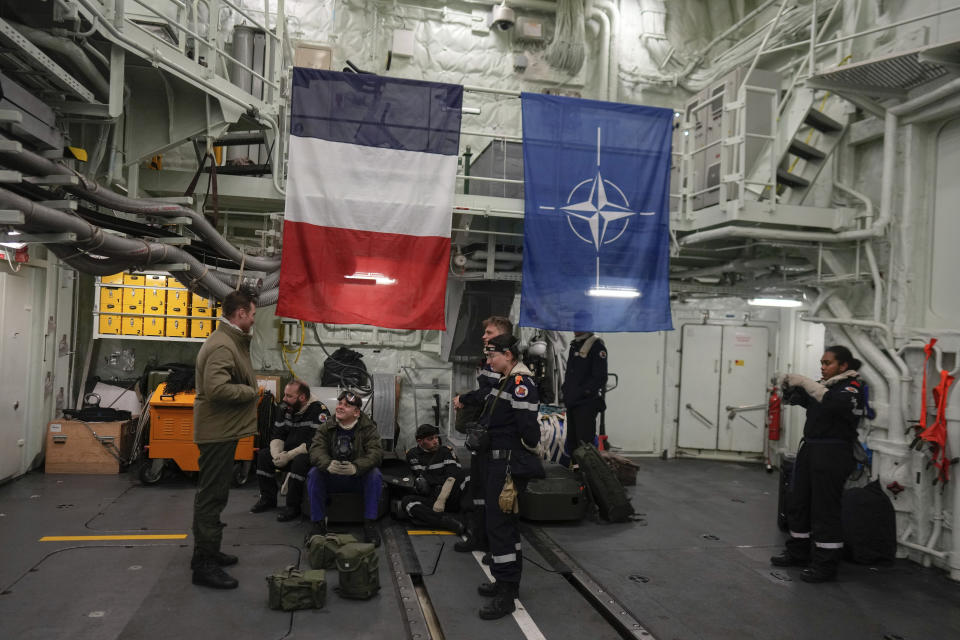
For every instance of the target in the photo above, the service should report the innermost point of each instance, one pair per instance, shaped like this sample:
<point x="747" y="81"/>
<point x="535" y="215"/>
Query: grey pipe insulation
<point x="124" y="252"/>
<point x="33" y="164"/>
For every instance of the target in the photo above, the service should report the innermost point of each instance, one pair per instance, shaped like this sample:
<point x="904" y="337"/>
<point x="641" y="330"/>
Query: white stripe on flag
<point x="333" y="184"/>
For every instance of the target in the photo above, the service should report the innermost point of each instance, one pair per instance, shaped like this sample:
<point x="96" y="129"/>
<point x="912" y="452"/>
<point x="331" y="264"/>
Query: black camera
<point x="477" y="438"/>
<point x="343" y="447"/>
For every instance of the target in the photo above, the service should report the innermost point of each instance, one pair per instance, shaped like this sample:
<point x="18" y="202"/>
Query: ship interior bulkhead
<point x="145" y="174"/>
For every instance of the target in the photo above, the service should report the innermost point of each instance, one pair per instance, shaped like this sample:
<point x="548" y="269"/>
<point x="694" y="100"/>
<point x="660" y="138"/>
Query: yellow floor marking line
<point x="161" y="536"/>
<point x="429" y="532"/>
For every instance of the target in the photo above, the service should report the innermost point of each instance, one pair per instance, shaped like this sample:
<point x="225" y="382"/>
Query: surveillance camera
<point x="502" y="17"/>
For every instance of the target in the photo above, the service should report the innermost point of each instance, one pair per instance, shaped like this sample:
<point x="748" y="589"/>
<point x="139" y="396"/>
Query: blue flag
<point x="596" y="237"/>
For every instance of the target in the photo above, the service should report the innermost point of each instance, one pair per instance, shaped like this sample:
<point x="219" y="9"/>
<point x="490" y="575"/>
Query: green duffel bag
<point x="322" y="550"/>
<point x="357" y="564"/>
<point x="291" y="589"/>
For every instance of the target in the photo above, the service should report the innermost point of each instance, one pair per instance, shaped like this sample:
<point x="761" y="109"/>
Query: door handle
<point x="699" y="416"/>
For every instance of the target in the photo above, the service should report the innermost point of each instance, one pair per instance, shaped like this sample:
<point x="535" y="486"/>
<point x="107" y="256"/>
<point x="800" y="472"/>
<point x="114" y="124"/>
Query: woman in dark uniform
<point x="825" y="459"/>
<point x="513" y="432"/>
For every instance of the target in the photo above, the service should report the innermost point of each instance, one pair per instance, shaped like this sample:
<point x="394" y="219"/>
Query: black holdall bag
<point x="869" y="525"/>
<point x="605" y="489"/>
<point x="526" y="464"/>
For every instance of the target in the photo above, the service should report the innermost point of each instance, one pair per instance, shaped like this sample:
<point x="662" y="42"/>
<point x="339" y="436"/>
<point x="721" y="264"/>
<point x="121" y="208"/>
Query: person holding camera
<point x="346" y="454"/>
<point x="437" y="484"/>
<point x="468" y="407"/>
<point x="834" y="407"/>
<point x="509" y="446"/>
<point x="297" y="422"/>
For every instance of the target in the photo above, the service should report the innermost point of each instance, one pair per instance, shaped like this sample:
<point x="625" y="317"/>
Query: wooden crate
<point x="72" y="447"/>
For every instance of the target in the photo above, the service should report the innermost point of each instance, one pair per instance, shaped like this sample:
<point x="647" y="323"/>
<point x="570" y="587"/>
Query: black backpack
<point x="869" y="525"/>
<point x="344" y="368"/>
<point x="604" y="486"/>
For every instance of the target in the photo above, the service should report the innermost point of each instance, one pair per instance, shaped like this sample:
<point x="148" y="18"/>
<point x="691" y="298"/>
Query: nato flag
<point x="596" y="237"/>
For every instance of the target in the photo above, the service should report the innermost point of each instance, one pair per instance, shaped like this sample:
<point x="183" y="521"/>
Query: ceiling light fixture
<point x="774" y="302"/>
<point x="613" y="292"/>
<point x="363" y="277"/>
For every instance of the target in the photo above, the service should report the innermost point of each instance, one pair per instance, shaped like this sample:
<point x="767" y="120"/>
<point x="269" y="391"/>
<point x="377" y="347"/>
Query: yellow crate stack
<point x="111" y="301"/>
<point x="178" y="301"/>
<point x="155" y="304"/>
<point x="202" y="313"/>
<point x="133" y="303"/>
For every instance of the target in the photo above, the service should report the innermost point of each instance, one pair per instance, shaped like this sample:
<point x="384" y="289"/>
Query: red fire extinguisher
<point x="773" y="414"/>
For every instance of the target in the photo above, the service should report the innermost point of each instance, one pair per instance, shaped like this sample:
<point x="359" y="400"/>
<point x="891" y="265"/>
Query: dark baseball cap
<point x="501" y="344"/>
<point x="427" y="430"/>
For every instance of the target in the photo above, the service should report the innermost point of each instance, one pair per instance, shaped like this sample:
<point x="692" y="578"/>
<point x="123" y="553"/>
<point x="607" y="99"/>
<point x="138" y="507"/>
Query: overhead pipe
<point x="71" y="50"/>
<point x="92" y="239"/>
<point x="613" y="70"/>
<point x="34" y="164"/>
<point x="603" y="66"/>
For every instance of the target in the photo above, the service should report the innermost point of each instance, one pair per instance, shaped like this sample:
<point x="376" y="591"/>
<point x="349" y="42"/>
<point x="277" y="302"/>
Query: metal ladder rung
<point x="821" y="121"/>
<point x="806" y="151"/>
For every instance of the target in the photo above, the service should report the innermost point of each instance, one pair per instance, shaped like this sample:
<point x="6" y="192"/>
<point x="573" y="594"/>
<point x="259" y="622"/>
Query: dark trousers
<point x="297" y="471"/>
<point x="213" y="490"/>
<point x="503" y="531"/>
<point x="319" y="483"/>
<point x="816" y="494"/>
<point x="475" y="499"/>
<point x="582" y="424"/>
<point x="420" y="508"/>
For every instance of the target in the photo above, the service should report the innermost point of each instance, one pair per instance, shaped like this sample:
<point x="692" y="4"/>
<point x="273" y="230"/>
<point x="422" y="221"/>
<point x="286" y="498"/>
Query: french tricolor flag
<point x="372" y="167"/>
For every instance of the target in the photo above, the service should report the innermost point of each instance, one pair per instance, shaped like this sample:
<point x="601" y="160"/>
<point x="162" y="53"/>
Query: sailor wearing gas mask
<point x="346" y="454"/>
<point x="297" y="422"/>
<point x="437" y="484"/>
<point x="509" y="446"/>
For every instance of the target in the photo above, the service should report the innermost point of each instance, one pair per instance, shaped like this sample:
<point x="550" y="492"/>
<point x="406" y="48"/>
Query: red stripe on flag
<point x="315" y="282"/>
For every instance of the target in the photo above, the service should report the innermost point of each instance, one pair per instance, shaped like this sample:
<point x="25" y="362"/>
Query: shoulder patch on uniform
<point x="521" y="391"/>
<point x="850" y="389"/>
<point x="603" y="353"/>
<point x="322" y="417"/>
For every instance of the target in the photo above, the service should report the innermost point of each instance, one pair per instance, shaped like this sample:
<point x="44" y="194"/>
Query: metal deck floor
<point x="695" y="566"/>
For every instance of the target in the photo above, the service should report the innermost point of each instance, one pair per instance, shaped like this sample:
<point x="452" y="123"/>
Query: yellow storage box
<point x="177" y="327"/>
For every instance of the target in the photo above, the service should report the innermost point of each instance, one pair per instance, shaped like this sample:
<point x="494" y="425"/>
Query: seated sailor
<point x="438" y="482"/>
<point x="293" y="430"/>
<point x="346" y="454"/>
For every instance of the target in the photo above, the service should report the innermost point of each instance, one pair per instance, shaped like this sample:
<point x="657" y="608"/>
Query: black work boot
<point x="206" y="573"/>
<point x="823" y="565"/>
<point x="288" y="513"/>
<point x="219" y="558"/>
<point x="502" y="603"/>
<point x="451" y="523"/>
<point x="263" y="504"/>
<point x="371" y="533"/>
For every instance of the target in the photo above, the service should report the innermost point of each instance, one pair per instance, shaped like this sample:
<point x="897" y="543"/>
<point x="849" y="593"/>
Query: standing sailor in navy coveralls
<point x="583" y="387"/>
<point x="487" y="379"/>
<point x="834" y="406"/>
<point x="512" y="427"/>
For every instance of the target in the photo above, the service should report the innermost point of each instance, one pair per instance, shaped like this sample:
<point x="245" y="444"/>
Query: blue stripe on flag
<point x="369" y="110"/>
<point x="596" y="180"/>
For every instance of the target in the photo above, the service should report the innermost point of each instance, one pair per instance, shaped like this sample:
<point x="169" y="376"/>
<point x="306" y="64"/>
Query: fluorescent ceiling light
<point x="13" y="245"/>
<point x="613" y="292"/>
<point x="370" y="278"/>
<point x="774" y="302"/>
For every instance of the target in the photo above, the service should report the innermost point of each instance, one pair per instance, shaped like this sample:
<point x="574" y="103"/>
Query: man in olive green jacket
<point x="346" y="454"/>
<point x="224" y="411"/>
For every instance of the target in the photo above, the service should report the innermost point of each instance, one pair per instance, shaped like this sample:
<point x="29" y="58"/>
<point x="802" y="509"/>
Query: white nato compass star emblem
<point x="599" y="213"/>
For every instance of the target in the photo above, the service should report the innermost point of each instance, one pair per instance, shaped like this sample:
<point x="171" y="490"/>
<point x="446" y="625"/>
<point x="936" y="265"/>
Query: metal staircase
<point x="810" y="127"/>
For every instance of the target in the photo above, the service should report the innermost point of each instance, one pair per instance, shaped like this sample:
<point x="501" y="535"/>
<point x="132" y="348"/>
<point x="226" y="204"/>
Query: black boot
<point x="219" y="558"/>
<point x="263" y="504"/>
<point x="207" y="573"/>
<point x="288" y="513"/>
<point x="371" y="533"/>
<point x="488" y="589"/>
<point x="823" y="565"/>
<point x="502" y="603"/>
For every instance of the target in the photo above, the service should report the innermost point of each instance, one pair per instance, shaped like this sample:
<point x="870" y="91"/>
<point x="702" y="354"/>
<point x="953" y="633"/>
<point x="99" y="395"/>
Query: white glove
<point x="276" y="447"/>
<point x="814" y="389"/>
<point x="441" y="502"/>
<point x="282" y="459"/>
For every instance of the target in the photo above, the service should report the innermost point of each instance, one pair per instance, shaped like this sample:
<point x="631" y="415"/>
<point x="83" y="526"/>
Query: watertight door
<point x="699" y="386"/>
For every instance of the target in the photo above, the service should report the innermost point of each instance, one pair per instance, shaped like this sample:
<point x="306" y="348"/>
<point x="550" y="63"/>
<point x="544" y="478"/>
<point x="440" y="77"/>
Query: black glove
<point x="477" y="439"/>
<point x="794" y="395"/>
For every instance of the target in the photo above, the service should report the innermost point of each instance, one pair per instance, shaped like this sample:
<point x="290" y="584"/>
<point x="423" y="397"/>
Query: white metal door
<point x="16" y="302"/>
<point x="699" y="386"/>
<point x="634" y="409"/>
<point x="743" y="373"/>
